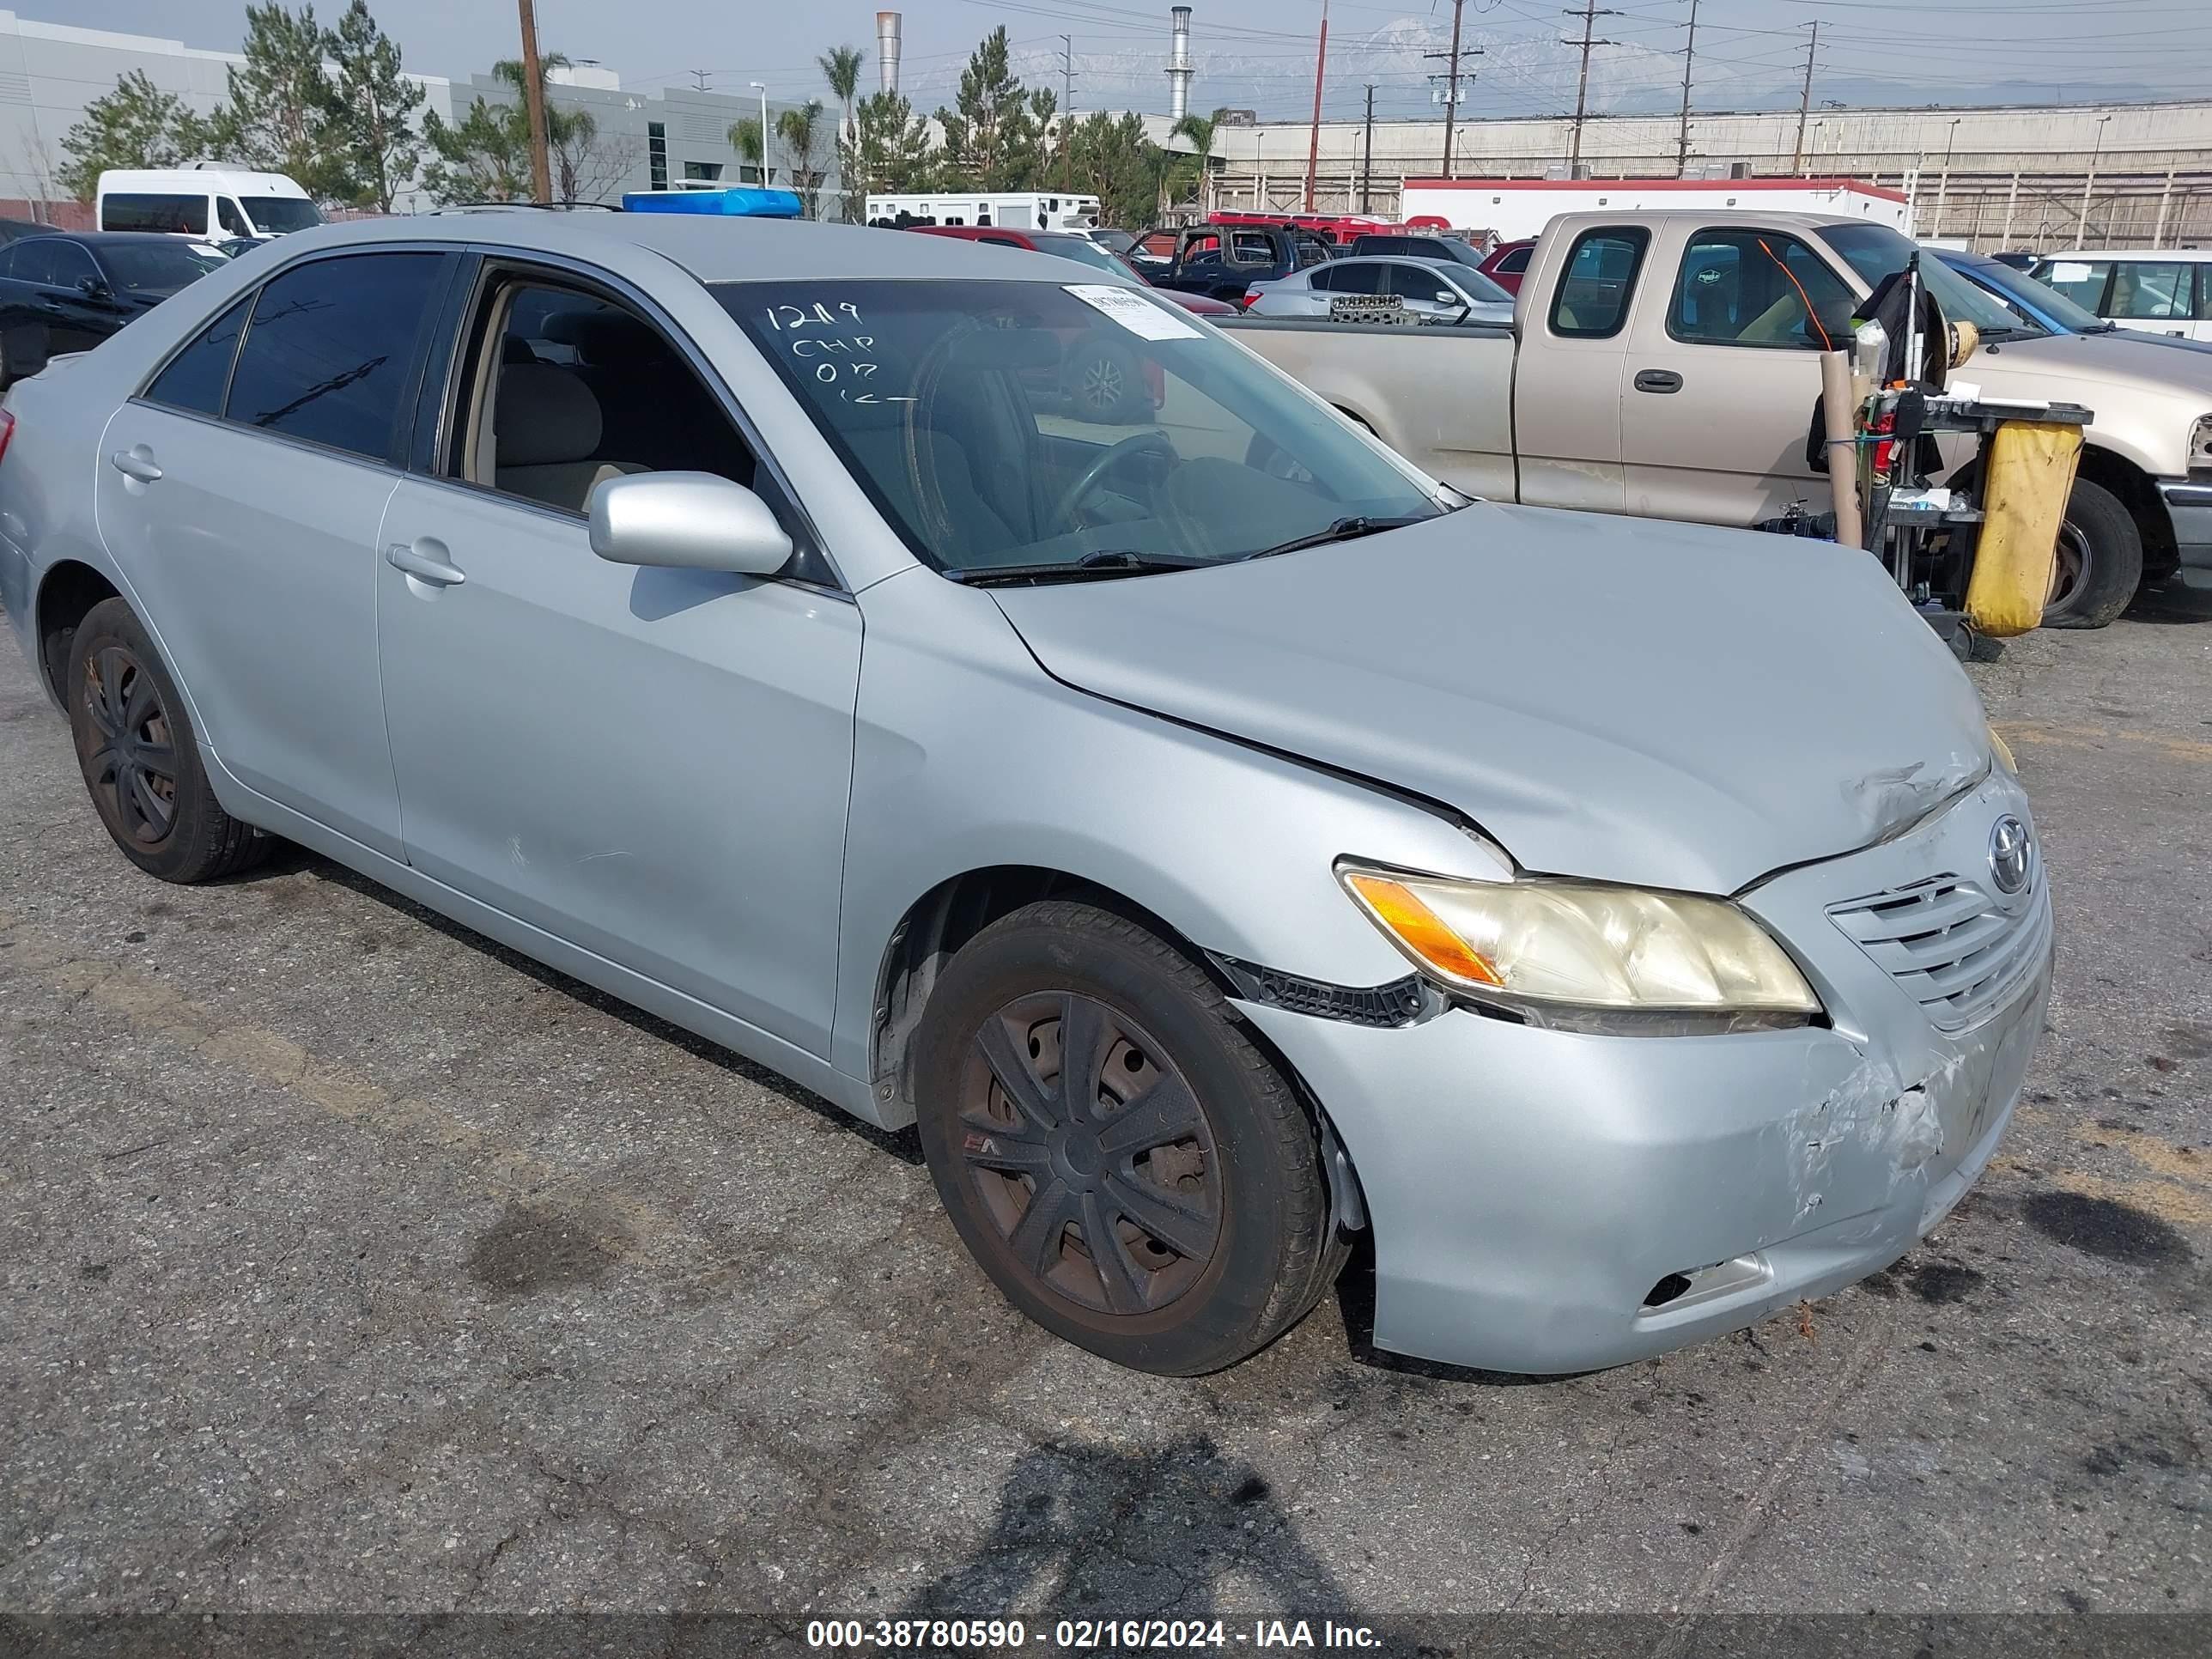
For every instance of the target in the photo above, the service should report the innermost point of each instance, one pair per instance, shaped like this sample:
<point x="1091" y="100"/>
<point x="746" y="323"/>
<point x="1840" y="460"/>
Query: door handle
<point x="1657" y="380"/>
<point x="424" y="566"/>
<point x="135" y="463"/>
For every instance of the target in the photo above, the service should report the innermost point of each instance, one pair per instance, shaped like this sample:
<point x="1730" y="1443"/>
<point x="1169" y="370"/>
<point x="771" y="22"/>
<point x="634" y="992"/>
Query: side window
<point x="1516" y="262"/>
<point x="71" y="265"/>
<point x="187" y="215"/>
<point x="198" y="376"/>
<point x="2082" y="281"/>
<point x="1757" y="287"/>
<point x="328" y="353"/>
<point x="1309" y="254"/>
<point x="34" y="262"/>
<point x="1358" y="279"/>
<point x="2150" y="291"/>
<point x="2203" y="291"/>
<point x="1599" y="281"/>
<point x="232" y="217"/>
<point x="568" y="390"/>
<point x="1324" y="280"/>
<point x="1417" y="284"/>
<point x="1246" y="248"/>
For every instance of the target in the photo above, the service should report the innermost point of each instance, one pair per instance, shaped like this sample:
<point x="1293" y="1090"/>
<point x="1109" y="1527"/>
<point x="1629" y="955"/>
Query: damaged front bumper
<point x="1545" y="1201"/>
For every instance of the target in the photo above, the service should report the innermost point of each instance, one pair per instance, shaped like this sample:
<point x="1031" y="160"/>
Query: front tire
<point x="2100" y="560"/>
<point x="141" y="762"/>
<point x="1121" y="1161"/>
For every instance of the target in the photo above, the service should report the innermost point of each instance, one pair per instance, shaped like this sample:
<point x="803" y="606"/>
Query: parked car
<point x="1112" y="239"/>
<point x="1663" y="364"/>
<point x="1223" y="261"/>
<point x="1506" y="263"/>
<point x="1073" y="244"/>
<point x="203" y="201"/>
<point x="1219" y="839"/>
<point x="1439" y="289"/>
<point x="2039" y="303"/>
<point x="2162" y="291"/>
<point x="1450" y="248"/>
<point x="68" y="290"/>
<point x="12" y="229"/>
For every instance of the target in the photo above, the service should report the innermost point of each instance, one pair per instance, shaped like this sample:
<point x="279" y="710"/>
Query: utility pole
<point x="1451" y="81"/>
<point x="700" y="76"/>
<point x="1367" y="159"/>
<point x="1590" y="13"/>
<point x="1313" y="144"/>
<point x="1805" y="101"/>
<point x="1689" y="58"/>
<point x="533" y="103"/>
<point x="2089" y="180"/>
<point x="1067" y="111"/>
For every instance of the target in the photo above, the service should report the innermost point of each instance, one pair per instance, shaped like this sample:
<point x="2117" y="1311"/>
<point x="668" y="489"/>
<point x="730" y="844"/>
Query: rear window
<point x="1599" y="281"/>
<point x="176" y="215"/>
<point x="1516" y="262"/>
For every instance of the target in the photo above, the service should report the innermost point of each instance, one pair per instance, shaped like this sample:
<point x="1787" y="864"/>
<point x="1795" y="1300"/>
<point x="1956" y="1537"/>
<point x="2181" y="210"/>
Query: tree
<point x="378" y="105"/>
<point x="747" y="139"/>
<point x="282" y="114"/>
<point x="841" y="68"/>
<point x="1186" y="173"/>
<point x="890" y="149"/>
<point x="1112" y="159"/>
<point x="136" y="125"/>
<point x="991" y="136"/>
<point x="485" y="156"/>
<point x="800" y="129"/>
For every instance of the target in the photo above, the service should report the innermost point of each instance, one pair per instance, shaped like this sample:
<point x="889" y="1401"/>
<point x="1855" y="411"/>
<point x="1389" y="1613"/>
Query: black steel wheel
<point x="140" y="766"/>
<point x="2099" y="562"/>
<point x="1122" y="1162"/>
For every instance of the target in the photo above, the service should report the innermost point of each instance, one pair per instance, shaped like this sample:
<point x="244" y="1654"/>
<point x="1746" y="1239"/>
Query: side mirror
<point x="687" y="521"/>
<point x="1446" y="297"/>
<point x="92" y="287"/>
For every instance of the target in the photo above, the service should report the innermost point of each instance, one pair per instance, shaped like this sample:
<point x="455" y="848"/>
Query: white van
<point x="2159" y="290"/>
<point x="205" y="200"/>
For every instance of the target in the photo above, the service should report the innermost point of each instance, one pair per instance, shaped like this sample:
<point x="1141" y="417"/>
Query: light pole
<point x="2089" y="183"/>
<point x="1943" y="184"/>
<point x="763" y="90"/>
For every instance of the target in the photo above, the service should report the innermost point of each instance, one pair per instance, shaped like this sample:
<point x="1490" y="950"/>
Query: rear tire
<point x="1173" y="1216"/>
<point x="141" y="762"/>
<point x="2100" y="560"/>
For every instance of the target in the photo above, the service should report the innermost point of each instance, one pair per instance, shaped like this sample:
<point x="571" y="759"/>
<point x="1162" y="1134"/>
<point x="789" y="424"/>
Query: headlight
<point x="2003" y="750"/>
<point x="1546" y="945"/>
<point x="2200" y="445"/>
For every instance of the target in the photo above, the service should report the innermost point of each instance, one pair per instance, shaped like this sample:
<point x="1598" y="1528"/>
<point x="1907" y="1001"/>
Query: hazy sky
<point x="1260" y="53"/>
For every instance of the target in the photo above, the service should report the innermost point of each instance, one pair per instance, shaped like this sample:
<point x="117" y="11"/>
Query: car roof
<point x="711" y="249"/>
<point x="2182" y="255"/>
<point x="98" y="239"/>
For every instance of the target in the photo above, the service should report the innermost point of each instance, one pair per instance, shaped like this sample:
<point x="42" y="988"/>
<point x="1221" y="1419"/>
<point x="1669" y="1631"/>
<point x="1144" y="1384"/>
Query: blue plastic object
<point x="748" y="201"/>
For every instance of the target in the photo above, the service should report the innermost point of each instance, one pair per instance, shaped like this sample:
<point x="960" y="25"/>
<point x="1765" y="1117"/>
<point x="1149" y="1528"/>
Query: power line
<point x="1590" y="13"/>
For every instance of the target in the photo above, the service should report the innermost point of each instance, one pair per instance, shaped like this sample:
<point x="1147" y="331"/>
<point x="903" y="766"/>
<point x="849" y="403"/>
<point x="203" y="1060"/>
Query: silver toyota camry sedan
<point x="1220" y="839"/>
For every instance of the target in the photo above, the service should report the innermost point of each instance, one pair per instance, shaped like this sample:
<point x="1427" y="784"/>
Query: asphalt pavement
<point x="350" y="1263"/>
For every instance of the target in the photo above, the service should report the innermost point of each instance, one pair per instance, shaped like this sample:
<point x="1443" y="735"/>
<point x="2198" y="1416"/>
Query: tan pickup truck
<point x="1665" y="364"/>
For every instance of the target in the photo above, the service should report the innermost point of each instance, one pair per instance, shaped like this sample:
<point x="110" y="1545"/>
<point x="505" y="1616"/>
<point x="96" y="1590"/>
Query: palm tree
<point x="746" y="138"/>
<point x="1200" y="129"/>
<point x="841" y="68"/>
<point x="800" y="128"/>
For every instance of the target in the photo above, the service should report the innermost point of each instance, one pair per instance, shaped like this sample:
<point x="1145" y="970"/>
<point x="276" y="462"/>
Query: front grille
<point x="1950" y="945"/>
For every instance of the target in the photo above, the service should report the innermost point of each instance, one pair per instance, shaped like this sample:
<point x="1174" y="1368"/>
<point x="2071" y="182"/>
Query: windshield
<point x="1023" y="423"/>
<point x="274" y="215"/>
<point x="1875" y="251"/>
<point x="1476" y="286"/>
<point x="162" y="267"/>
<point x="2040" y="298"/>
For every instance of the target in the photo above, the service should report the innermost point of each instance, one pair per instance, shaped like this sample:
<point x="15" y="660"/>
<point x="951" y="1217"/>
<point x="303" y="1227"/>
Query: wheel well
<point x="2140" y="496"/>
<point x="70" y="591"/>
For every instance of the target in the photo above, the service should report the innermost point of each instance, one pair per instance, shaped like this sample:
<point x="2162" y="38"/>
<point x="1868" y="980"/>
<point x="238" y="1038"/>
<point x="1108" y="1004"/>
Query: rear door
<point x="241" y="494"/>
<point x="2157" y="296"/>
<point x="1724" y="369"/>
<point x="1568" y="374"/>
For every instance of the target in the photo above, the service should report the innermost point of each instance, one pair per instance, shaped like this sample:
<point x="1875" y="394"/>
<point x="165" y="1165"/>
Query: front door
<point x="652" y="764"/>
<point x="1567" y="378"/>
<point x="57" y="298"/>
<point x="1722" y="377"/>
<point x="243" y="492"/>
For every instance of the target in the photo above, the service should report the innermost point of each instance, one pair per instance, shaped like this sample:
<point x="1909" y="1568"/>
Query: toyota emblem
<point x="2011" y="853"/>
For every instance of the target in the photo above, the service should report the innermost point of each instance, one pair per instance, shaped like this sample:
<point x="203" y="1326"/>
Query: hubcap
<point x="1102" y="383"/>
<point x="133" y="764"/>
<point x="1090" y="1154"/>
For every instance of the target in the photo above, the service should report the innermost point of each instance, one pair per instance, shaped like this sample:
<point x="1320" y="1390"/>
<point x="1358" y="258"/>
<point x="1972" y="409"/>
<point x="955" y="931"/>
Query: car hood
<point x="2077" y="367"/>
<point x="1623" y="700"/>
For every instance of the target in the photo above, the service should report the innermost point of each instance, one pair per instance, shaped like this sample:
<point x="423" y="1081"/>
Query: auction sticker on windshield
<point x="1134" y="312"/>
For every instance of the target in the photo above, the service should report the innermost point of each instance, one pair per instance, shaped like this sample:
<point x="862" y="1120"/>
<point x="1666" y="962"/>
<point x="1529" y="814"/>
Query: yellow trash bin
<point x="2031" y="473"/>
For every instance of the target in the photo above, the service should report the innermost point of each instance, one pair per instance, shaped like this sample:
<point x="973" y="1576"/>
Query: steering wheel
<point x="1112" y="458"/>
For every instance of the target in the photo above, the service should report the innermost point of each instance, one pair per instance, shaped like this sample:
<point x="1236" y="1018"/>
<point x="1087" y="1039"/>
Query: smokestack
<point x="887" y="49"/>
<point x="1179" y="69"/>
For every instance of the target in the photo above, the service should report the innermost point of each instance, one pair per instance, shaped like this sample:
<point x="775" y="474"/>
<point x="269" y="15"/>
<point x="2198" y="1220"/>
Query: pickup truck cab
<point x="1224" y="261"/>
<point x="1664" y="364"/>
